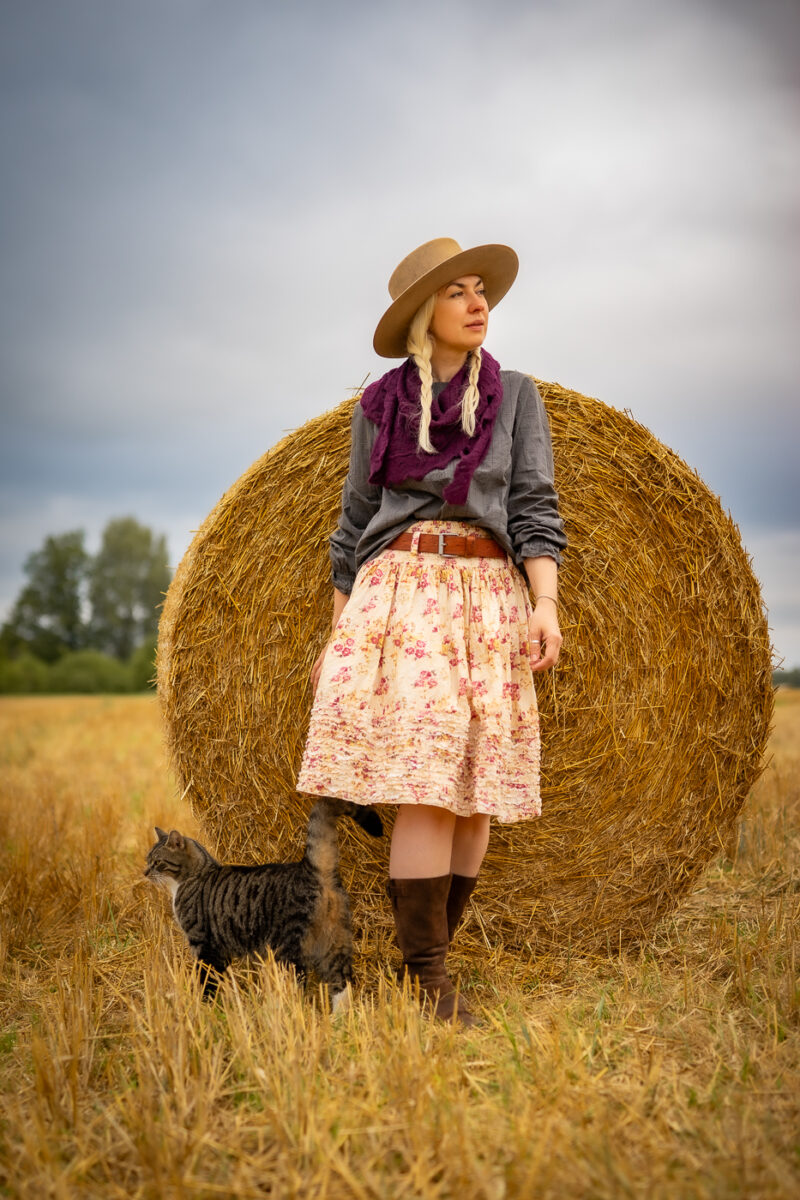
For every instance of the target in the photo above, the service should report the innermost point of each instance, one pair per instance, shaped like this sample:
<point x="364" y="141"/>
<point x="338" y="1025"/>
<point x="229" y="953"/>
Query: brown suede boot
<point x="420" y="918"/>
<point x="461" y="888"/>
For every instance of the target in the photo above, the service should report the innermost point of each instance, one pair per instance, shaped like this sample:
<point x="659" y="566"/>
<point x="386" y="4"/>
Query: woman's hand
<point x="544" y="635"/>
<point x="316" y="670"/>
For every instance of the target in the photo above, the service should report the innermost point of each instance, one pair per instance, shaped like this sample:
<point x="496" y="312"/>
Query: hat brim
<point x="497" y="266"/>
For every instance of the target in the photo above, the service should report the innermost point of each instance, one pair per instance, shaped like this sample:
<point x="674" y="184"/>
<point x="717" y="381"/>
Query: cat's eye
<point x="164" y="865"/>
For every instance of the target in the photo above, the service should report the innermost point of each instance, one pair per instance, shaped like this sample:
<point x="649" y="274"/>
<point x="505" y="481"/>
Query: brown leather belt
<point x="453" y="545"/>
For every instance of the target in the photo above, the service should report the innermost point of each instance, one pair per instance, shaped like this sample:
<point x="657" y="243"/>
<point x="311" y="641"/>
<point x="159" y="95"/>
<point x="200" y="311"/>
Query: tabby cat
<point x="300" y="910"/>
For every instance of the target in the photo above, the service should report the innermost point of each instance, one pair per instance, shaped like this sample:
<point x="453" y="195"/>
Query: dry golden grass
<point x="671" y="1071"/>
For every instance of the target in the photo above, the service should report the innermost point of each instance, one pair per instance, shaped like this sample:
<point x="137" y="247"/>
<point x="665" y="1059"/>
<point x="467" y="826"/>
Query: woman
<point x="424" y="695"/>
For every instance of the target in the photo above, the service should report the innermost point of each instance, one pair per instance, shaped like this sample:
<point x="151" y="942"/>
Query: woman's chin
<point x="469" y="343"/>
<point x="477" y="339"/>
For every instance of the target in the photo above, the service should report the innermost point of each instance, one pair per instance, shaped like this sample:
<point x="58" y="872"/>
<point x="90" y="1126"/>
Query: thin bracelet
<point x="538" y="598"/>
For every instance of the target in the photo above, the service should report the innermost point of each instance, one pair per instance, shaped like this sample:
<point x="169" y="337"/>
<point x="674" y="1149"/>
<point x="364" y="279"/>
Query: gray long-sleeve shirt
<point x="511" y="494"/>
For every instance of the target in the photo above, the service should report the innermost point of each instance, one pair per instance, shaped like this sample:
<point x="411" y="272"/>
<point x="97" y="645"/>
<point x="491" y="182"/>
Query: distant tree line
<point x="786" y="678"/>
<point x="87" y="623"/>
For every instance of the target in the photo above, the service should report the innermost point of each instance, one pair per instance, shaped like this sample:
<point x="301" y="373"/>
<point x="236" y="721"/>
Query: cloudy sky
<point x="203" y="201"/>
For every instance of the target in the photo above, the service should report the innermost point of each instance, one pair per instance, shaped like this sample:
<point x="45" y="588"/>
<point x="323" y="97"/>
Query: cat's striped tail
<point x="322" y="849"/>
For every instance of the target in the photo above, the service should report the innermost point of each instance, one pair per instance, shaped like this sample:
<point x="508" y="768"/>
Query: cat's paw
<point x="342" y="1001"/>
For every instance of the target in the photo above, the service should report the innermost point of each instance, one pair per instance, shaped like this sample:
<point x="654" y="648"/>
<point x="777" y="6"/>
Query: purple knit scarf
<point x="392" y="403"/>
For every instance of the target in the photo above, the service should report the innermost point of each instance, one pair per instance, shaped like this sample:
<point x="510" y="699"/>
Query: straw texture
<point x="653" y="725"/>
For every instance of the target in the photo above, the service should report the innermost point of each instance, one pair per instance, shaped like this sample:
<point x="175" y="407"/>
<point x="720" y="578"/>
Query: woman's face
<point x="460" y="315"/>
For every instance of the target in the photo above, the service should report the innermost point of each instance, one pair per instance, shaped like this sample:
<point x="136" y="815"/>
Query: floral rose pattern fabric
<point x="426" y="693"/>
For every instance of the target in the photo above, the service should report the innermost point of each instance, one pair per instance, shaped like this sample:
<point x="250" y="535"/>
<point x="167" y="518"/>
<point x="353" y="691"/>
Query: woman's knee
<point x="422" y="841"/>
<point x="424" y="822"/>
<point x="476" y="826"/>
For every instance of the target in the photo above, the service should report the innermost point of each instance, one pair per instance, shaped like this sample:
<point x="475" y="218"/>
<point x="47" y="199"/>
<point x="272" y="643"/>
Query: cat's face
<point x="174" y="858"/>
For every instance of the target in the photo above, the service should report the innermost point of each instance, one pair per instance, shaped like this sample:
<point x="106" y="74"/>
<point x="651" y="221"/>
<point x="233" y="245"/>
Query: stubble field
<point x="671" y="1071"/>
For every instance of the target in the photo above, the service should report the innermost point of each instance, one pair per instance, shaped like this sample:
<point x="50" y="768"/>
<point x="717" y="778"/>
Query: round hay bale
<point x="653" y="724"/>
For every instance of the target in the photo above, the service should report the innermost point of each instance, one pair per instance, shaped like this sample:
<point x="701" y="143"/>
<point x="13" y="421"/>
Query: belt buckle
<point x="446" y="553"/>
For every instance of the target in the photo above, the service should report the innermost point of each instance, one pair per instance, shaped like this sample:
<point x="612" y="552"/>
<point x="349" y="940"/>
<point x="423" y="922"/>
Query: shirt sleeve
<point x="360" y="501"/>
<point x="534" y="524"/>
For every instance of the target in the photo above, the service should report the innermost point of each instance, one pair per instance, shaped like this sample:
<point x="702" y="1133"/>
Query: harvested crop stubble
<point x="653" y="725"/>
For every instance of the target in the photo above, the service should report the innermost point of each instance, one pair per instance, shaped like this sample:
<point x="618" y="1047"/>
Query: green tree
<point x="89" y="671"/>
<point x="23" y="674"/>
<point x="127" y="581"/>
<point x="47" y="618"/>
<point x="142" y="666"/>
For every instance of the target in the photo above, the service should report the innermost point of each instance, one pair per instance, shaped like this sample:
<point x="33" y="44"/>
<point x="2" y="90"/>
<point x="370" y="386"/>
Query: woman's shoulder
<point x="362" y="428"/>
<point x="518" y="386"/>
<point x="516" y="379"/>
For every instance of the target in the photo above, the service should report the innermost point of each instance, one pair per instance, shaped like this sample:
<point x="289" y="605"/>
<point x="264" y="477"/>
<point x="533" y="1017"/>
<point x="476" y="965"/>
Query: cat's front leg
<point x="336" y="971"/>
<point x="209" y="967"/>
<point x="341" y="1001"/>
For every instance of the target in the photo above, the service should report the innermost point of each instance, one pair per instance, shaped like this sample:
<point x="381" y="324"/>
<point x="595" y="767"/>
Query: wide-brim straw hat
<point x="429" y="268"/>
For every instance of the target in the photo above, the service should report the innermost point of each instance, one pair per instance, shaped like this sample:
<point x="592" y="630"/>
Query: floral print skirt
<point x="426" y="694"/>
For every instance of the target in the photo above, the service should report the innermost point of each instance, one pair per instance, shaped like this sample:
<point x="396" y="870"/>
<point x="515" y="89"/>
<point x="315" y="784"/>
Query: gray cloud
<point x="204" y="203"/>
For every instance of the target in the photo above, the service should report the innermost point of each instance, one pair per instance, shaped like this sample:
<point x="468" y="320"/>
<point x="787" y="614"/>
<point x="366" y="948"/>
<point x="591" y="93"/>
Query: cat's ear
<point x="176" y="841"/>
<point x="160" y="834"/>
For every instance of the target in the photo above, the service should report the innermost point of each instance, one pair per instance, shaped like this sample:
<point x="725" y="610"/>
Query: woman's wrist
<point x="340" y="600"/>
<point x="542" y="573"/>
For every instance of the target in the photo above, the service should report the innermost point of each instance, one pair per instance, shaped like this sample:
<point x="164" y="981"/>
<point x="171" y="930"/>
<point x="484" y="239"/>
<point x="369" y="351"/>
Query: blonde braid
<point x="420" y="346"/>
<point x="469" y="401"/>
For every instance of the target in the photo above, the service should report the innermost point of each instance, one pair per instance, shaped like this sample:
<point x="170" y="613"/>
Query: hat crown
<point x="419" y="262"/>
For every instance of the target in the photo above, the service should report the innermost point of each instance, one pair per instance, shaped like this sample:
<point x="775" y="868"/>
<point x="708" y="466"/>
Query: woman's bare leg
<point x="470" y="839"/>
<point x="419" y="888"/>
<point x="422" y="842"/>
